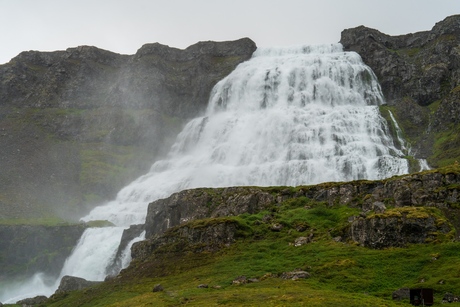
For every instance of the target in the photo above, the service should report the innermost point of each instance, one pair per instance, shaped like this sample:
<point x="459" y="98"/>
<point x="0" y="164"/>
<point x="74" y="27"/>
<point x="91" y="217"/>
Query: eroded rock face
<point x="78" y="125"/>
<point x="412" y="65"/>
<point x="196" y="204"/>
<point x="382" y="232"/>
<point x="415" y="71"/>
<point x="207" y="236"/>
<point x="378" y="227"/>
<point x="25" y="250"/>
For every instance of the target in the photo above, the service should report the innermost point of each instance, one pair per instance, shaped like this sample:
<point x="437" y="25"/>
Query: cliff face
<point x="77" y="125"/>
<point x="420" y="78"/>
<point x="418" y="208"/>
<point x="25" y="250"/>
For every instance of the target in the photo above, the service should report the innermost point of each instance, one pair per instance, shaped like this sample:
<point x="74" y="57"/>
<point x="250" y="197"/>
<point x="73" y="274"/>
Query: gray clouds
<point x="124" y="26"/>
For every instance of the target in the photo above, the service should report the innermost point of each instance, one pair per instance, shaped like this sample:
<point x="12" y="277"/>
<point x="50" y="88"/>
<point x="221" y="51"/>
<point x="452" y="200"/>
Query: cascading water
<point x="405" y="147"/>
<point x="289" y="116"/>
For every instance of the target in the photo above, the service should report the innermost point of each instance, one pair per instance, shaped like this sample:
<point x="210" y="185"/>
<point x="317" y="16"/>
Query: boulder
<point x="72" y="283"/>
<point x="401" y="294"/>
<point x="294" y="275"/>
<point x="31" y="301"/>
<point x="240" y="280"/>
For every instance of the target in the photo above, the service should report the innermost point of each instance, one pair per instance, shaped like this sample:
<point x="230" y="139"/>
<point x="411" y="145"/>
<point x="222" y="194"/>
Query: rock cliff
<point x="77" y="125"/>
<point x="417" y="208"/>
<point x="420" y="78"/>
<point x="25" y="249"/>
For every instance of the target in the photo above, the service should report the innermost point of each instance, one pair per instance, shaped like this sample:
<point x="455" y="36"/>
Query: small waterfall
<point x="405" y="147"/>
<point x="289" y="116"/>
<point x="401" y="140"/>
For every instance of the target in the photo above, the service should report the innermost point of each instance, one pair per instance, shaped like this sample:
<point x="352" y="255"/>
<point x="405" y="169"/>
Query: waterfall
<point x="405" y="147"/>
<point x="288" y="116"/>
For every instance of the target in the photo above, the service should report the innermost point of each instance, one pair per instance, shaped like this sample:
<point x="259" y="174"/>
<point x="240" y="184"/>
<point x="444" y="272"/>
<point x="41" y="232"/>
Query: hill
<point x="347" y="244"/>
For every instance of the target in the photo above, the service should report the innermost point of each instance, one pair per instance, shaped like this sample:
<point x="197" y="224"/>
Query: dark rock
<point x="29" y="249"/>
<point x="129" y="234"/>
<point x="373" y="229"/>
<point x="55" y="106"/>
<point x="194" y="204"/>
<point x="294" y="275"/>
<point x="252" y="280"/>
<point x="416" y="70"/>
<point x="240" y="280"/>
<point x="390" y="231"/>
<point x="401" y="294"/>
<point x="189" y="237"/>
<point x="157" y="288"/>
<point x="203" y="286"/>
<point x="32" y="301"/>
<point x="450" y="298"/>
<point x="72" y="283"/>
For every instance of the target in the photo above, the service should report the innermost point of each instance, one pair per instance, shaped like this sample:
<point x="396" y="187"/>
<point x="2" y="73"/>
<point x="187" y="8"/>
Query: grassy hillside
<point x="341" y="274"/>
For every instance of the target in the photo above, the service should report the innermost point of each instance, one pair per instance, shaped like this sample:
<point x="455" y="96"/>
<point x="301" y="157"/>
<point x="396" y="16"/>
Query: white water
<point x="405" y="147"/>
<point x="289" y="116"/>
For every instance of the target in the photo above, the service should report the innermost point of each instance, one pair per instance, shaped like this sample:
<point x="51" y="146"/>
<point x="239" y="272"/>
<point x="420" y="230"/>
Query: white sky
<point x="124" y="26"/>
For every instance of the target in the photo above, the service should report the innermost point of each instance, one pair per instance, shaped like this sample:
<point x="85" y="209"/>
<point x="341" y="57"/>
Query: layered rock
<point x="420" y="77"/>
<point x="423" y="209"/>
<point x="25" y="250"/>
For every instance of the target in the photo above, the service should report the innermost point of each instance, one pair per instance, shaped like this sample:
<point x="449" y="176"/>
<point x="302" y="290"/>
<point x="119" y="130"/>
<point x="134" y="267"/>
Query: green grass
<point x="342" y="274"/>
<point x="446" y="147"/>
<point x="45" y="221"/>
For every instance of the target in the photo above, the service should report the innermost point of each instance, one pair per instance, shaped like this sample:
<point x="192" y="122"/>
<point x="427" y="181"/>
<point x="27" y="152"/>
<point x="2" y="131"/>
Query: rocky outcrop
<point x="423" y="209"/>
<point x="127" y="237"/>
<point x="434" y="189"/>
<point x="388" y="230"/>
<point x="32" y="301"/>
<point x="77" y="125"/>
<point x="25" y="250"/>
<point x="72" y="283"/>
<point x="420" y="77"/>
<point x="207" y="235"/>
<point x="414" y="65"/>
<point x="197" y="204"/>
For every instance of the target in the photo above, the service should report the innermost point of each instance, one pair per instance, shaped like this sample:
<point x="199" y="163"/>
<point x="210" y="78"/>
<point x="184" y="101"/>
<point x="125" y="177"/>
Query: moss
<point x="99" y="224"/>
<point x="446" y="149"/>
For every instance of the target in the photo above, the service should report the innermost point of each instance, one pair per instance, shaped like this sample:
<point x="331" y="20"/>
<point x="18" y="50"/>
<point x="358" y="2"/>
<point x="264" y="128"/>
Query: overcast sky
<point x="124" y="26"/>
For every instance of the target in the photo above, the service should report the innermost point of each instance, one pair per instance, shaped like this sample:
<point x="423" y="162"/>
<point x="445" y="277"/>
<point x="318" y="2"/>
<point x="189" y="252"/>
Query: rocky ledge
<point x="420" y="78"/>
<point x="417" y="208"/>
